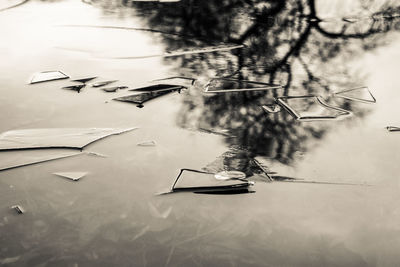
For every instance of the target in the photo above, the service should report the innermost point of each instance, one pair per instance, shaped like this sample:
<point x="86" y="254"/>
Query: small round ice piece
<point x="226" y="175"/>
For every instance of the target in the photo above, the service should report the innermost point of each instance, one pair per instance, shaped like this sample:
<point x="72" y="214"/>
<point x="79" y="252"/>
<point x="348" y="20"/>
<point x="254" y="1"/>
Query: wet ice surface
<point x="115" y="219"/>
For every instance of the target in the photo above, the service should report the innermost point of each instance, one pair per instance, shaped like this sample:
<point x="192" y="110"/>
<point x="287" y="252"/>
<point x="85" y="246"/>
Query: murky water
<point x="112" y="216"/>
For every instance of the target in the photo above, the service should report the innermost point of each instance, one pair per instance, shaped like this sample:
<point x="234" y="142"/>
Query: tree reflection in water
<point x="287" y="42"/>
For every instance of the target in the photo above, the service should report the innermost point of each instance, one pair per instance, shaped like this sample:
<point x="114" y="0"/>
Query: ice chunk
<point x="74" y="176"/>
<point x="310" y="108"/>
<point x="18" y="209"/>
<point x="103" y="83"/>
<point x="55" y="137"/>
<point x="360" y="94"/>
<point x="75" y="87"/>
<point x="199" y="181"/>
<point x="147" y="143"/>
<point x="46" y="76"/>
<point x="15" y="159"/>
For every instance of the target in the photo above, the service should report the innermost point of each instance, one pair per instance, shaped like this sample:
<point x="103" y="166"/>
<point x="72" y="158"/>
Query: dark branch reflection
<point x="287" y="42"/>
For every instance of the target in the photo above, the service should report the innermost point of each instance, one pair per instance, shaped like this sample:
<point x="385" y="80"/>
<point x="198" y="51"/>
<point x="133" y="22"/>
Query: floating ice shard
<point x="223" y="85"/>
<point x="100" y="84"/>
<point x="74" y="87"/>
<point x="19" y="209"/>
<point x="114" y="89"/>
<point x="55" y="137"/>
<point x="84" y="80"/>
<point x="74" y="176"/>
<point x="311" y="108"/>
<point x="46" y="76"/>
<point x="208" y="49"/>
<point x="158" y="88"/>
<point x="147" y="143"/>
<point x="15" y="159"/>
<point x="271" y="108"/>
<point x="140" y="99"/>
<point x="178" y="80"/>
<point x="360" y="94"/>
<point x="199" y="181"/>
<point x="226" y="175"/>
<point x="393" y="128"/>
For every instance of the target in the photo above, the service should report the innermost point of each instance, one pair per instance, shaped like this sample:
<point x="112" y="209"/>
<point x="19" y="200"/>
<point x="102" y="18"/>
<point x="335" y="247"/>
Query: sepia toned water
<point x="114" y="217"/>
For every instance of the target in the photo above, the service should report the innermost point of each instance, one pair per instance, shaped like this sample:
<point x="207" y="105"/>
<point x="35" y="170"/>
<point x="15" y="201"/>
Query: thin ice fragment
<point x="223" y="85"/>
<point x="147" y="143"/>
<point x="201" y="50"/>
<point x="393" y="128"/>
<point x="103" y="83"/>
<point x="178" y="80"/>
<point x="140" y="99"/>
<point x="114" y="89"/>
<point x="271" y="108"/>
<point x="226" y="175"/>
<point x="19" y="209"/>
<point x="55" y="137"/>
<point x="158" y="88"/>
<point x="16" y="159"/>
<point x="84" y="80"/>
<point x="46" y="76"/>
<point x="76" y="88"/>
<point x="311" y="108"/>
<point x="156" y="213"/>
<point x="199" y="181"/>
<point x="74" y="176"/>
<point x="360" y="94"/>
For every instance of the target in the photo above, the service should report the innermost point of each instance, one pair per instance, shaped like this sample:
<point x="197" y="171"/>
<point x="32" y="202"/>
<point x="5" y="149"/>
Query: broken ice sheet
<point x="140" y="99"/>
<point x="46" y="76"/>
<point x="76" y="88"/>
<point x="19" y="209"/>
<point x="74" y="176"/>
<point x="114" y="89"/>
<point x="15" y="159"/>
<point x="199" y="181"/>
<point x="55" y="137"/>
<point x="360" y="94"/>
<point x="310" y="108"/>
<point x="393" y="128"/>
<point x="223" y="85"/>
<point x="103" y="83"/>
<point x="147" y="143"/>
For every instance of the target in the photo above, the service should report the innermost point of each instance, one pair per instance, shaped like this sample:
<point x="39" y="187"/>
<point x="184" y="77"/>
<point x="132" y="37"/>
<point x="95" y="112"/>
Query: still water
<point x="113" y="217"/>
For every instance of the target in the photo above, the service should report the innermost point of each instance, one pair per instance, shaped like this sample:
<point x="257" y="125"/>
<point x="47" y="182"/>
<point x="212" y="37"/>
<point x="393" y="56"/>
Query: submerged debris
<point x="74" y="176"/>
<point x="393" y="128"/>
<point x="223" y="85"/>
<point x="201" y="50"/>
<point x="76" y="88"/>
<point x="310" y="108"/>
<point x="360" y="94"/>
<point x="103" y="83"/>
<point x="205" y="182"/>
<point x="147" y="143"/>
<point x="19" y="209"/>
<point x="55" y="137"/>
<point x="15" y="159"/>
<point x="140" y="99"/>
<point x="46" y="76"/>
<point x="114" y="89"/>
